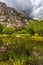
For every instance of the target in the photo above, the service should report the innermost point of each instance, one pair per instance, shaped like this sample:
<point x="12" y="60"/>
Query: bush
<point x="40" y="32"/>
<point x="30" y="27"/>
<point x="22" y="32"/>
<point x="33" y="60"/>
<point x="31" y="31"/>
<point x="8" y="30"/>
<point x="35" y="27"/>
<point x="1" y="28"/>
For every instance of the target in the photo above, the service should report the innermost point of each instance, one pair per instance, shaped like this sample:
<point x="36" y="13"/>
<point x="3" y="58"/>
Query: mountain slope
<point x="11" y="17"/>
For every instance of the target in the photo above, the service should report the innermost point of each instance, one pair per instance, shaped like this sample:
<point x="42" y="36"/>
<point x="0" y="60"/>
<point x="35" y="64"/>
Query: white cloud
<point x="37" y="9"/>
<point x="21" y="4"/>
<point x="33" y="7"/>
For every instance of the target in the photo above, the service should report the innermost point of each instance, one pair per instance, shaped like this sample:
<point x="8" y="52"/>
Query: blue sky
<point x="33" y="7"/>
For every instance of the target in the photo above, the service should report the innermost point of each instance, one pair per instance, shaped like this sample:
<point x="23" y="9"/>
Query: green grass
<point x="32" y="38"/>
<point x="20" y="48"/>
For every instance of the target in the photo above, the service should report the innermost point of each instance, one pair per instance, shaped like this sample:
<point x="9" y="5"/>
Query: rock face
<point x="11" y="17"/>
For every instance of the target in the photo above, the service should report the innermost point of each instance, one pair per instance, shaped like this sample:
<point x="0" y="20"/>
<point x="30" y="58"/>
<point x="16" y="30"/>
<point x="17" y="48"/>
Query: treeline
<point x="32" y="28"/>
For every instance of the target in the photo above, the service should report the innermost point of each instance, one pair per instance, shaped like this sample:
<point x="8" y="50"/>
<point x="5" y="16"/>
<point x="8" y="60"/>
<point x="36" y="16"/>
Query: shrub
<point x="40" y="32"/>
<point x="8" y="30"/>
<point x="33" y="60"/>
<point x="31" y="28"/>
<point x="1" y="28"/>
<point x="31" y="31"/>
<point x="22" y="32"/>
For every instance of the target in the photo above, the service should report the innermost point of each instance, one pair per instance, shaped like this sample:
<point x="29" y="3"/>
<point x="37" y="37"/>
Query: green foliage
<point x="1" y="43"/>
<point x="8" y="30"/>
<point x="22" y="52"/>
<point x="40" y="32"/>
<point x="31" y="27"/>
<point x="34" y="27"/>
<point x="1" y="28"/>
<point x="22" y="32"/>
<point x="33" y="60"/>
<point x="22" y="48"/>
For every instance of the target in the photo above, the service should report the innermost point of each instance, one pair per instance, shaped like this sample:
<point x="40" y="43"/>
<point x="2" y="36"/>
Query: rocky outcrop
<point x="11" y="17"/>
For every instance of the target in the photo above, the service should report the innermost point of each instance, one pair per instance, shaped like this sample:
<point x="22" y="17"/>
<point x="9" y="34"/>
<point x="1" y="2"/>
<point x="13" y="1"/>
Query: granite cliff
<point x="12" y="17"/>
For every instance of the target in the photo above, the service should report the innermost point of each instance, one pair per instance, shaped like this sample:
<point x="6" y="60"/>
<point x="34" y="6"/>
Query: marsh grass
<point x="22" y="49"/>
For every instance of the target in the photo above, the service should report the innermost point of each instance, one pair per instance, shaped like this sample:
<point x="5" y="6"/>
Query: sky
<point x="34" y="8"/>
